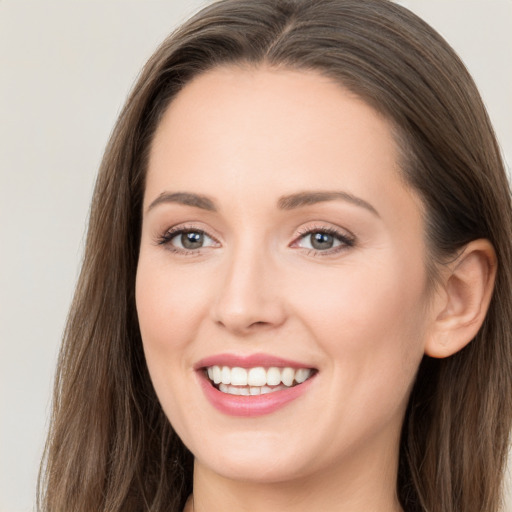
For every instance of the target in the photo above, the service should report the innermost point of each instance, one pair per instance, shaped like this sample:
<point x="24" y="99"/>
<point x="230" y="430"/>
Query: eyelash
<point x="346" y="241"/>
<point x="172" y="233"/>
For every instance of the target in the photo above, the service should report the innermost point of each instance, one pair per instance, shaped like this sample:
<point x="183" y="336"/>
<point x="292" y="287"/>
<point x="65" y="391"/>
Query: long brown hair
<point x="110" y="446"/>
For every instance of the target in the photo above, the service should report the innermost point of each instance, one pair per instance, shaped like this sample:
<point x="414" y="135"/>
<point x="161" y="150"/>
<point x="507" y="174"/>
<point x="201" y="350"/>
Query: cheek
<point x="370" y="326"/>
<point x="365" y="298"/>
<point x="168" y="308"/>
<point x="371" y="322"/>
<point x="168" y="304"/>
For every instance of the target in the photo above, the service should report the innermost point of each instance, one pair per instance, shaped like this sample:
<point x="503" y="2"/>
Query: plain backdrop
<point x="65" y="69"/>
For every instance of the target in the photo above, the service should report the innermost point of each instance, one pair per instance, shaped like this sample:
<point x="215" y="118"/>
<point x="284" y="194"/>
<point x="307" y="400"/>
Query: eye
<point x="327" y="240"/>
<point x="186" y="239"/>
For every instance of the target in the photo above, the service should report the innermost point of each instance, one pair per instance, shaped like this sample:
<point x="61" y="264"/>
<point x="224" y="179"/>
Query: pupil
<point x="192" y="240"/>
<point x="322" y="241"/>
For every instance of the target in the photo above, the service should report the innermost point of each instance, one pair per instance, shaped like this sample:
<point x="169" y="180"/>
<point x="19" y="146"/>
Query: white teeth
<point x="217" y="375"/>
<point x="238" y="376"/>
<point x="258" y="379"/>
<point x="246" y="390"/>
<point x="301" y="375"/>
<point x="226" y="375"/>
<point x="287" y="376"/>
<point x="273" y="376"/>
<point x="257" y="376"/>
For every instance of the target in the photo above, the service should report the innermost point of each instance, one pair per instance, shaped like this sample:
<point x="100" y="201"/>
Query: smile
<point x="257" y="380"/>
<point x="253" y="385"/>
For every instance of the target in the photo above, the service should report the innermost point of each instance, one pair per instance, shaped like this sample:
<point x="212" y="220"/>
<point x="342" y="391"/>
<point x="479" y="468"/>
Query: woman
<point x="296" y="287"/>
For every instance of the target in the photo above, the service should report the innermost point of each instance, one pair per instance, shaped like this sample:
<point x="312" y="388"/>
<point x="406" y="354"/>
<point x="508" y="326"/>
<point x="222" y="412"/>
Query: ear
<point x="462" y="299"/>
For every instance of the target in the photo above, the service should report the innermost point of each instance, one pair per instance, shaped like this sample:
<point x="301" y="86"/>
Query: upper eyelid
<point x="300" y="231"/>
<point x="178" y="228"/>
<point x="328" y="228"/>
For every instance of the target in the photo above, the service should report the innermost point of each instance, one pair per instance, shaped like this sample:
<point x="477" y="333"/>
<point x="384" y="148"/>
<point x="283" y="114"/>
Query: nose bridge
<point x="248" y="296"/>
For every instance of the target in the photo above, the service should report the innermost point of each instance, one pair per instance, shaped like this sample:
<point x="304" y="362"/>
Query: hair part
<point x="110" y="446"/>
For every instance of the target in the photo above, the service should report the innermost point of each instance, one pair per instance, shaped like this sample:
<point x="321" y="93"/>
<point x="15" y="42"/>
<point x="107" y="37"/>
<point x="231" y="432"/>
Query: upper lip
<point x="248" y="361"/>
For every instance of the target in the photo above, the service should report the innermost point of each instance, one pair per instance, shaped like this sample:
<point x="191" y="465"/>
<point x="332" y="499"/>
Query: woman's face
<point x="280" y="244"/>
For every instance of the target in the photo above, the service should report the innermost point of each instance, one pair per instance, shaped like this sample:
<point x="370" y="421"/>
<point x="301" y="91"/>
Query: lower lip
<point x="252" y="405"/>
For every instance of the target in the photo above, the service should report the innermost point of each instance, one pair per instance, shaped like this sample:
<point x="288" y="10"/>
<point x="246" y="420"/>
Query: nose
<point x="250" y="298"/>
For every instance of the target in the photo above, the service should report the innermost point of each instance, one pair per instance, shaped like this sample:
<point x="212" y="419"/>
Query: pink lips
<point x="251" y="361"/>
<point x="256" y="405"/>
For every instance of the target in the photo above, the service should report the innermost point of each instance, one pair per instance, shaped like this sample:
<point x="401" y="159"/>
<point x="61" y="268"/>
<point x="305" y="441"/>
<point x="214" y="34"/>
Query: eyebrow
<point x="186" y="198"/>
<point x="288" y="202"/>
<point x="301" y="199"/>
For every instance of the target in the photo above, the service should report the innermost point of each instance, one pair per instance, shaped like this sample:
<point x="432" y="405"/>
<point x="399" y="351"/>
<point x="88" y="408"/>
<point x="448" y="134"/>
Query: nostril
<point x="258" y="323"/>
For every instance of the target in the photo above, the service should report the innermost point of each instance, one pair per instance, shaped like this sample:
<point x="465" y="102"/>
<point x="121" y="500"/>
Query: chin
<point x="255" y="470"/>
<point x="244" y="458"/>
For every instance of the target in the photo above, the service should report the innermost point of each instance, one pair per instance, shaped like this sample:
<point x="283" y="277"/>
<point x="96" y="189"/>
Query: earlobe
<point x="463" y="299"/>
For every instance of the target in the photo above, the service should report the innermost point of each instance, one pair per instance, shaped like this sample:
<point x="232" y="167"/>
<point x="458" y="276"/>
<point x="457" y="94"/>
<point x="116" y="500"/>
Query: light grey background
<point x="65" y="68"/>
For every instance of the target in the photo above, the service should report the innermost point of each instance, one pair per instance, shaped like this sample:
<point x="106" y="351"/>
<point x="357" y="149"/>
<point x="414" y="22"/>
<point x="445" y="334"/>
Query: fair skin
<point x="336" y="284"/>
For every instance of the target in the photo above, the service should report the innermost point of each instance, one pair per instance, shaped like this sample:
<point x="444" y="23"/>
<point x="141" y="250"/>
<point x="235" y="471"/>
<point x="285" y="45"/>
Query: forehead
<point x="284" y="104"/>
<point x="274" y="131"/>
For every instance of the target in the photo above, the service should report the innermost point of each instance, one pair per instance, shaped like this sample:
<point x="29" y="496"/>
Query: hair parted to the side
<point x="110" y="446"/>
